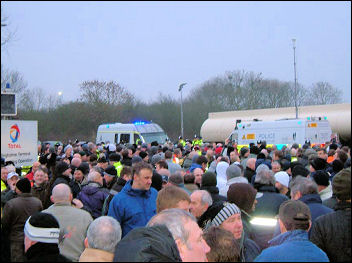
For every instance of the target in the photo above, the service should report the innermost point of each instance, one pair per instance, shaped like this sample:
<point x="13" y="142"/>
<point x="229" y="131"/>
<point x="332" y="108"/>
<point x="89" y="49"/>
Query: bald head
<point x="251" y="163"/>
<point x="61" y="193"/>
<point x="35" y="166"/>
<point x="76" y="161"/>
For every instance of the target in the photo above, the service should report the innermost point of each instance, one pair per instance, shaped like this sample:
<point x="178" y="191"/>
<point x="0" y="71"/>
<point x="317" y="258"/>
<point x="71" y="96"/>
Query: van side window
<point x="116" y="138"/>
<point x="124" y="138"/>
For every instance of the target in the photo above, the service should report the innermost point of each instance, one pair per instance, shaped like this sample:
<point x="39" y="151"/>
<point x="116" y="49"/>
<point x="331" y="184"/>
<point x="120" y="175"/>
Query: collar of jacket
<point x="92" y="254"/>
<point x="64" y="203"/>
<point x="135" y="192"/>
<point x="25" y="195"/>
<point x="239" y="179"/>
<point x="266" y="188"/>
<point x="94" y="184"/>
<point x="298" y="235"/>
<point x="311" y="198"/>
<point x="342" y="205"/>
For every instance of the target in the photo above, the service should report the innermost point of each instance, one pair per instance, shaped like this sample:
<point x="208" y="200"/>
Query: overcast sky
<point x="152" y="47"/>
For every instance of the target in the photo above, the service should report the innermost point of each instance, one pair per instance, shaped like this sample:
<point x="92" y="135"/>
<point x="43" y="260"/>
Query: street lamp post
<point x="180" y="89"/>
<point x="294" y="67"/>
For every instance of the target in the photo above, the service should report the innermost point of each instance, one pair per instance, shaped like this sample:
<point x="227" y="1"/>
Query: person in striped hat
<point x="228" y="216"/>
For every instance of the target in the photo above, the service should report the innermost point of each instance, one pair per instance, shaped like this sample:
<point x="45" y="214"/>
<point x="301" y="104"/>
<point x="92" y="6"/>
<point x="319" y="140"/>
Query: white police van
<point x="130" y="133"/>
<point x="316" y="130"/>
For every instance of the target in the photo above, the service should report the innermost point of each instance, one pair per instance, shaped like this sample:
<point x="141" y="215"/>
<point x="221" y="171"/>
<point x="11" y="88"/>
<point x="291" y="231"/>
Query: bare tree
<point x="102" y="92"/>
<point x="322" y="93"/>
<point x="6" y="34"/>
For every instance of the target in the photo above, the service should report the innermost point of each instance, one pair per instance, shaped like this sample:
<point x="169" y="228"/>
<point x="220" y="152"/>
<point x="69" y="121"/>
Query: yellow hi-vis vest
<point x="118" y="166"/>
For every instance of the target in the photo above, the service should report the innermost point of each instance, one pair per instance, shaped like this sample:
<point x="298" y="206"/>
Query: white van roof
<point x="141" y="127"/>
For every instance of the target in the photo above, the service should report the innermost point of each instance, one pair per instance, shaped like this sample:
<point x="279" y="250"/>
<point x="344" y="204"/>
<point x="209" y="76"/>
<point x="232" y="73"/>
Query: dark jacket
<point x="249" y="250"/>
<point x="332" y="233"/>
<point x="268" y="205"/>
<point x="76" y="186"/>
<point x="16" y="213"/>
<point x="248" y="173"/>
<point x="126" y="161"/>
<point x="147" y="244"/>
<point x="292" y="246"/>
<point x="45" y="252"/>
<point x="116" y="188"/>
<point x="214" y="192"/>
<point x="330" y="202"/>
<point x="61" y="179"/>
<point x="315" y="205"/>
<point x="93" y="196"/>
<point x="40" y="191"/>
<point x="133" y="207"/>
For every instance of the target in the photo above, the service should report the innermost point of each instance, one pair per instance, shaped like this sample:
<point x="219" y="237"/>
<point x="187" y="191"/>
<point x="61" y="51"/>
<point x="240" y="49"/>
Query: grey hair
<point x="174" y="219"/>
<point x="104" y="233"/>
<point x="205" y="197"/>
<point x="264" y="175"/>
<point x="304" y="185"/>
<point x="93" y="175"/>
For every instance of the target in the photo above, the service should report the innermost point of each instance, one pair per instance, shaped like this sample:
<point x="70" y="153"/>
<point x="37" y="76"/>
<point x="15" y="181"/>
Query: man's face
<point x="184" y="205"/>
<point x="233" y="156"/>
<point x="130" y="153"/>
<point x="276" y="167"/>
<point x="103" y="165"/>
<point x="78" y="175"/>
<point x="4" y="174"/>
<point x="12" y="182"/>
<point x="197" y="208"/>
<point x="234" y="225"/>
<point x="198" y="175"/>
<point x="35" y="166"/>
<point x="322" y="155"/>
<point x="143" y="180"/>
<point x="39" y="177"/>
<point x="278" y="186"/>
<point x="108" y="178"/>
<point x="195" y="249"/>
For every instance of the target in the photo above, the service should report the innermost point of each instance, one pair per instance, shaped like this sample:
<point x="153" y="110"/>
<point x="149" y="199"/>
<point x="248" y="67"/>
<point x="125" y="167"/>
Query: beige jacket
<point x="96" y="255"/>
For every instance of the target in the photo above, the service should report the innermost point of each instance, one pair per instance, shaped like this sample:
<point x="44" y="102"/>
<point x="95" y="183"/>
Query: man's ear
<point x="180" y="246"/>
<point x="282" y="227"/>
<point x="52" y="199"/>
<point x="310" y="225"/>
<point x="86" y="242"/>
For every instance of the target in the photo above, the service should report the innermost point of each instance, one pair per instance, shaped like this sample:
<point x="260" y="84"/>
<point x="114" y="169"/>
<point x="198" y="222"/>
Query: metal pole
<point x="294" y="66"/>
<point x="180" y="89"/>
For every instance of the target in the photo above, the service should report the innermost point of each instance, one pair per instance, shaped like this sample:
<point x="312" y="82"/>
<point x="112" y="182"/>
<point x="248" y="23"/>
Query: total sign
<point x="19" y="142"/>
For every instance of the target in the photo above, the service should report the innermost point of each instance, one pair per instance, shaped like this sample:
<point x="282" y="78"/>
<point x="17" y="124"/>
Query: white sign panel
<point x="19" y="141"/>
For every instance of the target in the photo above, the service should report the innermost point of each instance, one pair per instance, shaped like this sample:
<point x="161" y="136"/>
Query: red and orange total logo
<point x="14" y="135"/>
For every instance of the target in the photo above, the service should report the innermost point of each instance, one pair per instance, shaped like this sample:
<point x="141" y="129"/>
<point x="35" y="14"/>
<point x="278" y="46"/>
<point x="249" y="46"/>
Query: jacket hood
<point x="91" y="188"/>
<point x="147" y="244"/>
<point x="311" y="198"/>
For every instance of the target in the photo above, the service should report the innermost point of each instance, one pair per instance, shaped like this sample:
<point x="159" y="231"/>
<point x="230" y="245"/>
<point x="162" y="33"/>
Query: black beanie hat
<point x="318" y="163"/>
<point x="84" y="167"/>
<point x="209" y="179"/>
<point x="61" y="167"/>
<point x="157" y="181"/>
<point x="24" y="185"/>
<point x="299" y="170"/>
<point x="143" y="155"/>
<point x="321" y="177"/>
<point x="337" y="166"/>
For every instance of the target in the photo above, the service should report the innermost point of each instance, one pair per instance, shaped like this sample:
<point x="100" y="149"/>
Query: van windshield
<point x="160" y="137"/>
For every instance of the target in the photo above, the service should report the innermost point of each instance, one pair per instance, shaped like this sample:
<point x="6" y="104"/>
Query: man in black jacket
<point x="332" y="232"/>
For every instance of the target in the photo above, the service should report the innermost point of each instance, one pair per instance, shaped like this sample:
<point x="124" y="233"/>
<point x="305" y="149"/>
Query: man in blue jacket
<point x="136" y="203"/>
<point x="293" y="245"/>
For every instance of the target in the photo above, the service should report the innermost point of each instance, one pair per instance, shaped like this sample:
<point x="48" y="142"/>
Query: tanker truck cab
<point x="130" y="133"/>
<point x="316" y="130"/>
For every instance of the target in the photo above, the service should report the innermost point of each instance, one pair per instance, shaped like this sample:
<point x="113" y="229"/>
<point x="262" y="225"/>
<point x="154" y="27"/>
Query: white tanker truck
<point x="220" y="125"/>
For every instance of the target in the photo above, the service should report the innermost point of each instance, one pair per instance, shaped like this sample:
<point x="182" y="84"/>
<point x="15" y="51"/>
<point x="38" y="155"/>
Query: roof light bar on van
<point x="139" y="123"/>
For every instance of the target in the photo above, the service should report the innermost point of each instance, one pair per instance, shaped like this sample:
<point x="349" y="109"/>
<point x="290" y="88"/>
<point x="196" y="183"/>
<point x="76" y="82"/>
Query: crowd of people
<point x="179" y="202"/>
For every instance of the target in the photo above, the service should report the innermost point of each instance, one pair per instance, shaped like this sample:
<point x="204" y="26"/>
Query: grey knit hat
<point x="226" y="211"/>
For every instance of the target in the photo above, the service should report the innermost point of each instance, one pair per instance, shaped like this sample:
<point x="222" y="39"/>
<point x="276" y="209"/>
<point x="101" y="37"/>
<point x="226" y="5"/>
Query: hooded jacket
<point x="150" y="244"/>
<point x="292" y="246"/>
<point x="93" y="196"/>
<point x="133" y="207"/>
